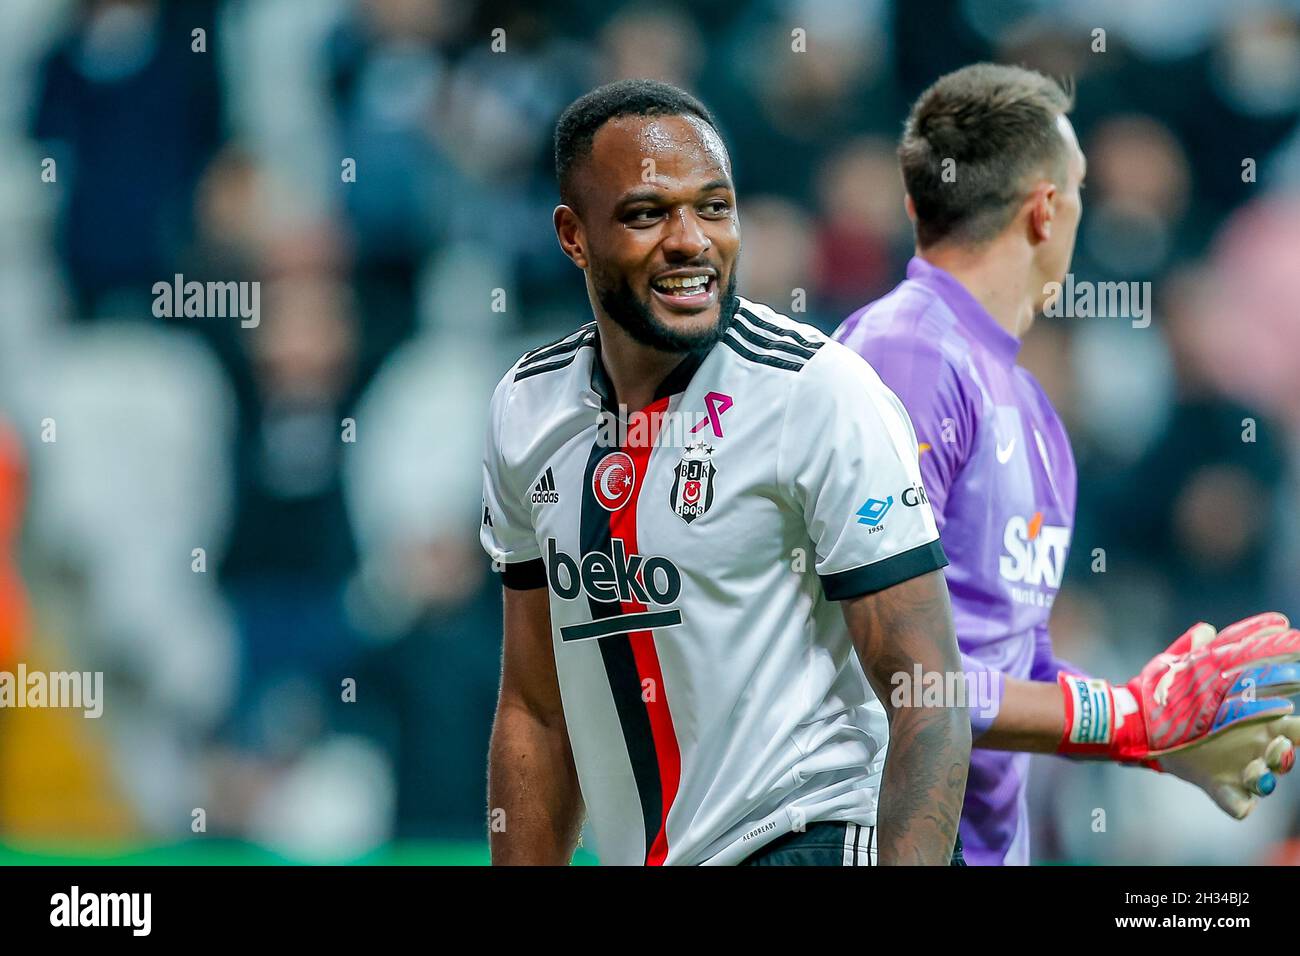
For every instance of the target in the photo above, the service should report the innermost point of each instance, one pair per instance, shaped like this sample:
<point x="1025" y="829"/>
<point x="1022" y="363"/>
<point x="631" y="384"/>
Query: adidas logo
<point x="544" y="492"/>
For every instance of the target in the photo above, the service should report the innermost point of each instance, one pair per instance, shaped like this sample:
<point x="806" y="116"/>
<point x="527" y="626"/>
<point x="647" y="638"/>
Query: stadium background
<point x="328" y="560"/>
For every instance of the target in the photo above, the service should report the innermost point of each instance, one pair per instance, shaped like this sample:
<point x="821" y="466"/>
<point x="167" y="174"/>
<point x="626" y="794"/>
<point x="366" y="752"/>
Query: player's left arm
<point x="848" y="459"/>
<point x="895" y="631"/>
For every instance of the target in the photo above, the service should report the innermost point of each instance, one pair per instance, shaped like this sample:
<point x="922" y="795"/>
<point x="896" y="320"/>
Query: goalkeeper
<point x="993" y="173"/>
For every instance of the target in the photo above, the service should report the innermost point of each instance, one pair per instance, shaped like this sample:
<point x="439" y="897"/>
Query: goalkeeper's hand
<point x="1211" y="709"/>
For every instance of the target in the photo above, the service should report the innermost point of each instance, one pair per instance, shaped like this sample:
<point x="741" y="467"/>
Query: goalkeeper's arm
<point x="1211" y="709"/>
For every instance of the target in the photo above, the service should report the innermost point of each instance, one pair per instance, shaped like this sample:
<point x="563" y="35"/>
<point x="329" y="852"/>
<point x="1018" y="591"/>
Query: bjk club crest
<point x="693" y="483"/>
<point x="614" y="480"/>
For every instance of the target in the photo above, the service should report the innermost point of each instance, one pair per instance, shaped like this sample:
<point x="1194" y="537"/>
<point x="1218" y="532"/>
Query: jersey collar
<point x="973" y="316"/>
<point x="675" y="381"/>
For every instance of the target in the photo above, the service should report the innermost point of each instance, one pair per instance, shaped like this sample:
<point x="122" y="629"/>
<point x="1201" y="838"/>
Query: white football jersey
<point x="694" y="553"/>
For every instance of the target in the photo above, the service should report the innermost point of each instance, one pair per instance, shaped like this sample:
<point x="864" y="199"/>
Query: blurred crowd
<point x="266" y="536"/>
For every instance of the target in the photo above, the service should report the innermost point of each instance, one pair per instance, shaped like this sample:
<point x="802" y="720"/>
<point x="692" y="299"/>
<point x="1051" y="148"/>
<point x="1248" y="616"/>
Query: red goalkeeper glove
<point x="1211" y="709"/>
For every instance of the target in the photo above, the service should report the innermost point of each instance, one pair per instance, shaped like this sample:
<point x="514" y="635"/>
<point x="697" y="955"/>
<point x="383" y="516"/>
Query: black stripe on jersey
<point x="777" y="330"/>
<point x="641" y="621"/>
<point x="776" y="345"/>
<point x="570" y="343"/>
<point x="539" y="369"/>
<point x="884" y="573"/>
<point x="788" y="364"/>
<point x="620" y="665"/>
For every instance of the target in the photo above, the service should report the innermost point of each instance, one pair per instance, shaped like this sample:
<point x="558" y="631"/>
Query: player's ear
<point x="568" y="229"/>
<point x="1042" y="210"/>
<point x="909" y="206"/>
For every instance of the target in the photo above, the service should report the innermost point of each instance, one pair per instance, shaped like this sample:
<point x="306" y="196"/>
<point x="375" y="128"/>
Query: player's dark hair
<point x="971" y="142"/>
<point x="584" y="117"/>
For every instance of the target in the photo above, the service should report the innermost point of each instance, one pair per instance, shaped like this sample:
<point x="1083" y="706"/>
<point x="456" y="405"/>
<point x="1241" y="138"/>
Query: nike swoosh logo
<point x="1004" y="454"/>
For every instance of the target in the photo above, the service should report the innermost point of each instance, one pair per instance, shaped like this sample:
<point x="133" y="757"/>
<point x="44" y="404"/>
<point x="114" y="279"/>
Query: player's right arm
<point x="535" y="805"/>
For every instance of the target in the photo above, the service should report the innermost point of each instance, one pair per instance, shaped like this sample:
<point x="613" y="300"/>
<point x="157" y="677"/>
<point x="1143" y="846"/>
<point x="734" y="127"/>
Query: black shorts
<point x="827" y="844"/>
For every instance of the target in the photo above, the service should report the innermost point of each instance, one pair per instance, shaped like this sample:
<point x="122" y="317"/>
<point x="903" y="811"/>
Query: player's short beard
<point x="635" y="317"/>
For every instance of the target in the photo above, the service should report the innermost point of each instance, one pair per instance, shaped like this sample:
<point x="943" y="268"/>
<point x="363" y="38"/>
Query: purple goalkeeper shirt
<point x="1000" y="477"/>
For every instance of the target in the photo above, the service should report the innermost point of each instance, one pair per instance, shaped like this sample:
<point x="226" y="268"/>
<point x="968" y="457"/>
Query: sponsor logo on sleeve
<point x="873" y="511"/>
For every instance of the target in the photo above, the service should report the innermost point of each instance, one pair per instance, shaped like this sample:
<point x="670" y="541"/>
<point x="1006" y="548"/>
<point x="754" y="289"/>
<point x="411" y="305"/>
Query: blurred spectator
<point x="130" y="503"/>
<point x="412" y="486"/>
<point x="1137" y="187"/>
<point x="794" y="81"/>
<point x="291" y="545"/>
<point x="862" y="217"/>
<point x="675" y="56"/>
<point x="776" y="262"/>
<point x="1246" y="339"/>
<point x="1200" y="500"/>
<point x="131" y="116"/>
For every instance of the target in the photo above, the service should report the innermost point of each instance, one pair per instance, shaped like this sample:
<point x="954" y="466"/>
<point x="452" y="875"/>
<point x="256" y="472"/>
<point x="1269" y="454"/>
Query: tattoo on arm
<point x="929" y="747"/>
